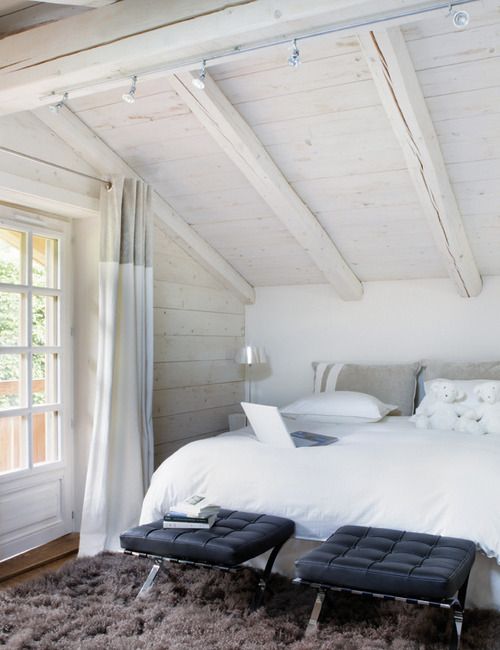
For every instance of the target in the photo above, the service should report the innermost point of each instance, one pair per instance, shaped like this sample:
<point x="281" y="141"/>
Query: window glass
<point x="13" y="447"/>
<point x="12" y="255"/>
<point x="45" y="437"/>
<point x="11" y="318"/>
<point x="44" y="320"/>
<point x="11" y="393"/>
<point x="44" y="384"/>
<point x="45" y="262"/>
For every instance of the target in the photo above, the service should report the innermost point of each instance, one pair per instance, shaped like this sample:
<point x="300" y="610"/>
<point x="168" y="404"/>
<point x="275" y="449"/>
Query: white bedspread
<point x="387" y="474"/>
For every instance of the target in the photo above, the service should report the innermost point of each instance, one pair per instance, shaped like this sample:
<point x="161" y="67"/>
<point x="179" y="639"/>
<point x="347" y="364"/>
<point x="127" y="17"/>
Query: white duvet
<point x="387" y="474"/>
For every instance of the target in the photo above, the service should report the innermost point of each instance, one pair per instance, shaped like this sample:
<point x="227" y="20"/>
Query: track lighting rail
<point x="460" y="20"/>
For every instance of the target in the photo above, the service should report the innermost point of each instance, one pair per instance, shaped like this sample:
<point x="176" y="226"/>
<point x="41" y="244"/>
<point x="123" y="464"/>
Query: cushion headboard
<point x="392" y="384"/>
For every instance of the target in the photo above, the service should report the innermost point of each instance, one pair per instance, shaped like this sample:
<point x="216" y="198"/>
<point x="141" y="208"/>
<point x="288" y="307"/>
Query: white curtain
<point x="121" y="453"/>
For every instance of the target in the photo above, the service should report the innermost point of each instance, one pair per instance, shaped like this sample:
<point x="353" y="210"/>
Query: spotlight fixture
<point x="461" y="19"/>
<point x="130" y="96"/>
<point x="55" y="108"/>
<point x="294" y="58"/>
<point x="199" y="81"/>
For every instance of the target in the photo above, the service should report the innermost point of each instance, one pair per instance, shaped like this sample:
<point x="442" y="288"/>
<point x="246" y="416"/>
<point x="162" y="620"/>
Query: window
<point x="30" y="349"/>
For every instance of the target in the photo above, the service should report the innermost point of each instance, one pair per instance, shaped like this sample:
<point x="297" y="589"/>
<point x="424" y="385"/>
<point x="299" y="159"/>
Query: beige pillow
<point x="481" y="370"/>
<point x="392" y="384"/>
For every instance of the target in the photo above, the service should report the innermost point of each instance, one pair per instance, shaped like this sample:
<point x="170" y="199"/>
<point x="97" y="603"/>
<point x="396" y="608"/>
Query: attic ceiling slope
<point x="242" y="146"/>
<point x="104" y="45"/>
<point x="105" y="161"/>
<point x="403" y="100"/>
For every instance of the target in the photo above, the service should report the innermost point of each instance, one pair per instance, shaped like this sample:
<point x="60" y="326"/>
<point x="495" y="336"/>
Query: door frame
<point x="60" y="474"/>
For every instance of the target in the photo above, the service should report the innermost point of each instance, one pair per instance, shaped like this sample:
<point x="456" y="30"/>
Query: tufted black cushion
<point x="392" y="562"/>
<point x="234" y="538"/>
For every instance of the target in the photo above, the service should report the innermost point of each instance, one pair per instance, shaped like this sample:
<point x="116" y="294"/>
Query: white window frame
<point x="60" y="229"/>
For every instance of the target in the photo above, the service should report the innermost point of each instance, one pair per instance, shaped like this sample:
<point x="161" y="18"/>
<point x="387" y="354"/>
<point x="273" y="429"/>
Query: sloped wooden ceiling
<point x="325" y="127"/>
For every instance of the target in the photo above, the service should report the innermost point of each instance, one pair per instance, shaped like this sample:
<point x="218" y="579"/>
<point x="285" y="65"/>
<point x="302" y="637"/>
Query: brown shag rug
<point x="89" y="604"/>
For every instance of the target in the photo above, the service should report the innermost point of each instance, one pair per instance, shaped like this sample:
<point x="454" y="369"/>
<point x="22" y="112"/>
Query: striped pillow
<point x="392" y="384"/>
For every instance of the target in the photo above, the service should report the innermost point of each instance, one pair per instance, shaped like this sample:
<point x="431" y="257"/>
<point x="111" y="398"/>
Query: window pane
<point x="13" y="447"/>
<point x="44" y="378"/>
<point x="45" y="262"/>
<point x="44" y="320"/>
<point x="11" y="392"/>
<point x="12" y="246"/>
<point x="10" y="319"/>
<point x="45" y="438"/>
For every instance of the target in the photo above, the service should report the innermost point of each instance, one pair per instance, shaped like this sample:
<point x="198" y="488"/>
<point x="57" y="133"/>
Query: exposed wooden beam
<point x="84" y="53"/>
<point x="105" y="161"/>
<point x="31" y="193"/>
<point x="399" y="89"/>
<point x="81" y="3"/>
<point x="240" y="143"/>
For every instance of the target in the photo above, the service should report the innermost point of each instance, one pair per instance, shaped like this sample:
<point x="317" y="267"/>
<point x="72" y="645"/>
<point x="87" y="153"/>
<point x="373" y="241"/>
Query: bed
<point x="386" y="474"/>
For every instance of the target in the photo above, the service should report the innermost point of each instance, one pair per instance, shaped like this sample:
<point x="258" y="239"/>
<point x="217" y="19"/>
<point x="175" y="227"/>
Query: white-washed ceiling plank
<point x="401" y="95"/>
<point x="83" y="140"/>
<point x="241" y="145"/>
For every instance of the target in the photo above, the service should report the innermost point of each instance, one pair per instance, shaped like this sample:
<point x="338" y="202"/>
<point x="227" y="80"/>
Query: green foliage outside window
<point x="10" y="327"/>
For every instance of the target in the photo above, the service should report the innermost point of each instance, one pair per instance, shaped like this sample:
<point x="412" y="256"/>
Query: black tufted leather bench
<point x="391" y="564"/>
<point x="234" y="538"/>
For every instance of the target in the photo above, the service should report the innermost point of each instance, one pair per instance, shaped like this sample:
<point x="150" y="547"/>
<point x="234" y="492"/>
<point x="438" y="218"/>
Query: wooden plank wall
<point x="198" y="325"/>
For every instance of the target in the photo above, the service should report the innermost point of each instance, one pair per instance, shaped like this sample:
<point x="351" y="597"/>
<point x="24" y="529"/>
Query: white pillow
<point x="339" y="406"/>
<point x="467" y="385"/>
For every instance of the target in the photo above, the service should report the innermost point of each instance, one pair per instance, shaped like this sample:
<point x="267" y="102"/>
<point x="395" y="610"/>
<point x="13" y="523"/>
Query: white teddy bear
<point x="488" y="412"/>
<point x="443" y="411"/>
<point x="468" y="423"/>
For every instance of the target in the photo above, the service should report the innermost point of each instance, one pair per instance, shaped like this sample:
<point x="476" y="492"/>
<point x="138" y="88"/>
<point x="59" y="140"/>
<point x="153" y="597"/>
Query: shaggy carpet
<point x="89" y="604"/>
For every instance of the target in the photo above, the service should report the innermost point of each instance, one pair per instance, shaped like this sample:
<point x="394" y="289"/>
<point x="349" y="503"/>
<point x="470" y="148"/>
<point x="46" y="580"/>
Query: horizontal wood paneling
<point x="196" y="348"/>
<point x="175" y="295"/>
<point x="166" y="449"/>
<point x="181" y="374"/>
<point x="180" y="322"/>
<point x="197" y="423"/>
<point x="170" y="401"/>
<point x="198" y="326"/>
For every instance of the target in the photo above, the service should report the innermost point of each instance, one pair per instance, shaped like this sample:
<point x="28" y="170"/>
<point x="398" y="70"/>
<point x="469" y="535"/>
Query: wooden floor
<point x="38" y="561"/>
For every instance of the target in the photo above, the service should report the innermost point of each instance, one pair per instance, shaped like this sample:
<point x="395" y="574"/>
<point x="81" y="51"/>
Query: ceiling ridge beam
<point x="82" y="139"/>
<point x="241" y="145"/>
<point x="397" y="83"/>
<point x="96" y="49"/>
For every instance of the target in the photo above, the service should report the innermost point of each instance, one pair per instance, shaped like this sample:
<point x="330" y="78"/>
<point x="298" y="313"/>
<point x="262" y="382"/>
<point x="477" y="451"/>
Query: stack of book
<point x="194" y="512"/>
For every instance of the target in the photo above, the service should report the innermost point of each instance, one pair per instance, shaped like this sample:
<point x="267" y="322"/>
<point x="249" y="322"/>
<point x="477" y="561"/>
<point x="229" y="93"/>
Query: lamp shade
<point x="250" y="355"/>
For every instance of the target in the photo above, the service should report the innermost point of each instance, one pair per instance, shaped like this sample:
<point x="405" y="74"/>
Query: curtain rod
<point x="107" y="183"/>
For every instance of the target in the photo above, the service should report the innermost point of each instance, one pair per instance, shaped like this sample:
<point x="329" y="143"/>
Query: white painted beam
<point x="93" y="50"/>
<point x="240" y="143"/>
<point x="81" y="3"/>
<point x="36" y="195"/>
<point x="399" y="89"/>
<point x="105" y="161"/>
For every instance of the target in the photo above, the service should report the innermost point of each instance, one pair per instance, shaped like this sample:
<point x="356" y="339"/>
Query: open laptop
<point x="269" y="428"/>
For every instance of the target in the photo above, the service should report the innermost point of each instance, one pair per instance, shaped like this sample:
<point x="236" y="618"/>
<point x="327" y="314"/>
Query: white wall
<point x="394" y="322"/>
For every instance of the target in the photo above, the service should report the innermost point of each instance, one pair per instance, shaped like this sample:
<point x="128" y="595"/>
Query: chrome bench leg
<point x="312" y="625"/>
<point x="261" y="587"/>
<point x="150" y="579"/>
<point x="458" y="616"/>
